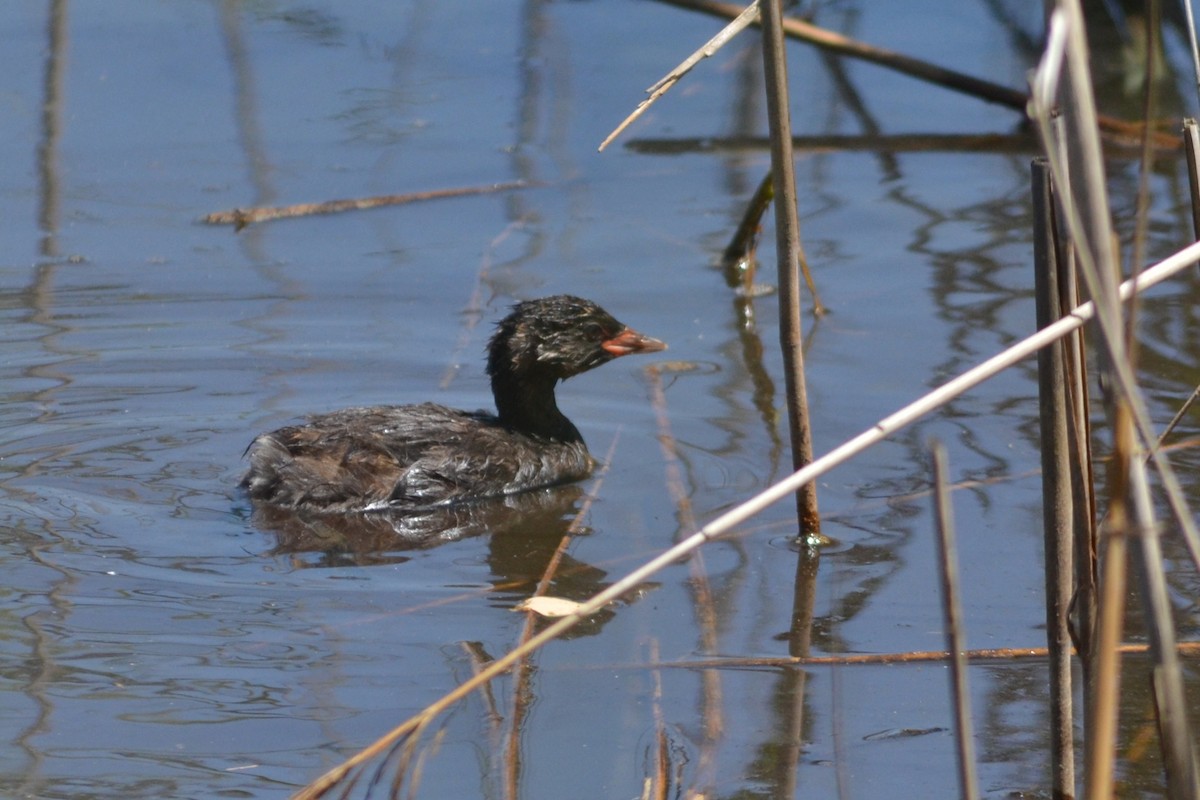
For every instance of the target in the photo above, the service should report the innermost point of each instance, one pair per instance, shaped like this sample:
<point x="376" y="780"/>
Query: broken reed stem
<point x="1191" y="149"/>
<point x="1058" y="510"/>
<point x="790" y="255"/>
<point x="913" y="67"/>
<point x="739" y="257"/>
<point x="744" y="511"/>
<point x="739" y="261"/>
<point x="241" y="217"/>
<point x="955" y="640"/>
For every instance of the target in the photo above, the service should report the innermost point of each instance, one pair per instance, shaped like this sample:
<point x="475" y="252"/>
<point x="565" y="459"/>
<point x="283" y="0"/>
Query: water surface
<point x="158" y="643"/>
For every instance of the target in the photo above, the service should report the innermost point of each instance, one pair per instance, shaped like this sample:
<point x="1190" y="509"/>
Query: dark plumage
<point x="406" y="458"/>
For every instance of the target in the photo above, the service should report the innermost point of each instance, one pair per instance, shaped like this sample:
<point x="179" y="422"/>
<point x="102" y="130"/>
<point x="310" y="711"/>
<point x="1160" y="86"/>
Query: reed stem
<point x="790" y="255"/>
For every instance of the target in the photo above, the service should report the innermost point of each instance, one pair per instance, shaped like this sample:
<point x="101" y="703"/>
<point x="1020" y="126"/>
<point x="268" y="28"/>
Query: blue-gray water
<point x="157" y="644"/>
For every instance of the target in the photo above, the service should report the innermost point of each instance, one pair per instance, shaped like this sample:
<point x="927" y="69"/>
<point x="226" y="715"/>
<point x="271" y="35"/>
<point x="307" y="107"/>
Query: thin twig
<point x="1103" y="710"/>
<point x="1187" y="404"/>
<point x="241" y="217"/>
<point x="664" y="84"/>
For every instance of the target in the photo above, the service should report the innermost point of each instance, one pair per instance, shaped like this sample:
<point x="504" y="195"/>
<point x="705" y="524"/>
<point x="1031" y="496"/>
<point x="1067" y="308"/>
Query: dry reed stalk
<point x="241" y="217"/>
<point x="1075" y="154"/>
<point x="790" y="255"/>
<point x="1179" y="758"/>
<point x="1090" y="226"/>
<point x="730" y="519"/>
<point x="955" y="639"/>
<point x="914" y="67"/>
<point x="1178" y="751"/>
<point x="1058" y="506"/>
<point x="1078" y="423"/>
<point x="1091" y="235"/>
<point x="1105" y="688"/>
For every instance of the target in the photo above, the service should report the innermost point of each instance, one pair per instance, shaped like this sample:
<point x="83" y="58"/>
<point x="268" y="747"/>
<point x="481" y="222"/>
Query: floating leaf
<point x="549" y="606"/>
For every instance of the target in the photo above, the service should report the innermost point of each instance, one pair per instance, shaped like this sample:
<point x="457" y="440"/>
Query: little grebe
<point x="401" y="458"/>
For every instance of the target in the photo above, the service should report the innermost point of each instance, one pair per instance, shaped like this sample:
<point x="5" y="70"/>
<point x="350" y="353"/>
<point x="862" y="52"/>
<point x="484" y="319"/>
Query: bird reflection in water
<point x="524" y="531"/>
